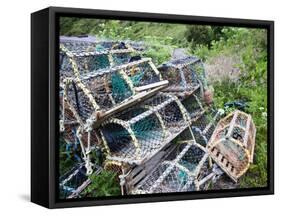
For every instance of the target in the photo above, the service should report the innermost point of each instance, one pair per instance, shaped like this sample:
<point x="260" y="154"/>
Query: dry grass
<point x="223" y="68"/>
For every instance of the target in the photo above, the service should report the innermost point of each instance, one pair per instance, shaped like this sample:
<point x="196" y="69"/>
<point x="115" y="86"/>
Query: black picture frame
<point x="44" y="105"/>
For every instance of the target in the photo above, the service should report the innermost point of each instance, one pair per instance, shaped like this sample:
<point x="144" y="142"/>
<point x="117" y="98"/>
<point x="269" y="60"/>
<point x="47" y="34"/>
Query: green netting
<point x="183" y="177"/>
<point x="100" y="48"/>
<point x="120" y="89"/>
<point x="137" y="78"/>
<point x="121" y="58"/>
<point x="98" y="62"/>
<point x="117" y="137"/>
<point x="192" y="158"/>
<point x="145" y="128"/>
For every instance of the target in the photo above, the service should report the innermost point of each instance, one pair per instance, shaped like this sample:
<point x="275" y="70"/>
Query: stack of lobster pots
<point x="152" y="126"/>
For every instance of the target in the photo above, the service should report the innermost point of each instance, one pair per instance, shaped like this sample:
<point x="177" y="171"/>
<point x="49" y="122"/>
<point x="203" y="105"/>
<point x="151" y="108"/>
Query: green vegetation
<point x="245" y="49"/>
<point x="67" y="161"/>
<point x="103" y="184"/>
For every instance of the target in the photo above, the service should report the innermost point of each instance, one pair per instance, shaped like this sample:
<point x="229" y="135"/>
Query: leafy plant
<point x="103" y="184"/>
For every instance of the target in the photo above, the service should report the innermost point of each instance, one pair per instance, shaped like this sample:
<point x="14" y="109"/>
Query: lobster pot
<point x="173" y="114"/>
<point x="142" y="72"/>
<point x="79" y="141"/>
<point x="90" y="44"/>
<point x="78" y="99"/>
<point x="97" y="60"/>
<point x="79" y="55"/>
<point x="94" y="93"/>
<point x="78" y="62"/>
<point x="83" y="145"/>
<point x="193" y="105"/>
<point x="68" y="123"/>
<point x="88" y="139"/>
<point x="77" y="44"/>
<point x="66" y="67"/>
<point x="137" y="134"/>
<point x="136" y="174"/>
<point x="71" y="180"/>
<point x="232" y="144"/>
<point x="185" y="75"/>
<point x="70" y="134"/>
<point x="73" y="183"/>
<point x="66" y="115"/>
<point x="205" y="125"/>
<point x="107" y="89"/>
<point x="85" y="44"/>
<point x="91" y="61"/>
<point x="178" y="173"/>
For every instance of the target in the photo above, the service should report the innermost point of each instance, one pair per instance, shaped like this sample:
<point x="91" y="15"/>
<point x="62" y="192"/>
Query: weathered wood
<point x="126" y="104"/>
<point x="140" y="172"/>
<point x="153" y="85"/>
<point x="206" y="178"/>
